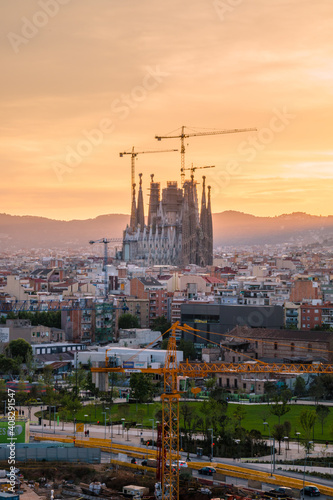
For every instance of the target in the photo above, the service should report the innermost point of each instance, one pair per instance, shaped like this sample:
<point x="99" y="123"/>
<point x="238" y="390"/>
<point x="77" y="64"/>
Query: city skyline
<point x="84" y="81"/>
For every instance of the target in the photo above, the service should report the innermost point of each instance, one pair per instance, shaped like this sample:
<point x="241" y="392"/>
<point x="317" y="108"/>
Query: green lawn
<point x="255" y="415"/>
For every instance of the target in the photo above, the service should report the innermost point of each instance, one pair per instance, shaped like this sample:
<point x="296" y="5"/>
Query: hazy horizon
<point x="128" y="215"/>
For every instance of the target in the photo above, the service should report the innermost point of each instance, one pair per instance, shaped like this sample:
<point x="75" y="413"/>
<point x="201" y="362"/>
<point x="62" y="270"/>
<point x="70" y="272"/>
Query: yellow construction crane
<point x="193" y="169"/>
<point x="134" y="154"/>
<point x="171" y="396"/>
<point x="183" y="135"/>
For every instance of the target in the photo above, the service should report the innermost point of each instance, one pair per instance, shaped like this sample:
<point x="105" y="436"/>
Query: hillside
<point x="230" y="228"/>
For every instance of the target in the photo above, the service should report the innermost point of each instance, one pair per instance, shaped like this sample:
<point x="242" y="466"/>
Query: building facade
<point x="176" y="233"/>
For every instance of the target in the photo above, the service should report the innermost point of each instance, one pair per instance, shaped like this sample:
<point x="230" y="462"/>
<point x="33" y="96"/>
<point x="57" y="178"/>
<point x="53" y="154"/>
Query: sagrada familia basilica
<point x="176" y="233"/>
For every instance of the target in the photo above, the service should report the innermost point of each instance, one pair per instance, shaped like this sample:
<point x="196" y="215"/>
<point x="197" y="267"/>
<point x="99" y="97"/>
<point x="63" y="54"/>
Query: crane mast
<point x="134" y="154"/>
<point x="183" y="135"/>
<point x="105" y="261"/>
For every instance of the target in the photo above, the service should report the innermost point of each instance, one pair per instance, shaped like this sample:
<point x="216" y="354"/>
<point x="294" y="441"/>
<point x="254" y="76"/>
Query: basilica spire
<point x="140" y="210"/>
<point x="133" y="209"/>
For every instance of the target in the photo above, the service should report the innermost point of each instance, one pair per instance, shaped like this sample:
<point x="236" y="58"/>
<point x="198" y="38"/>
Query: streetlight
<point x="211" y="446"/>
<point x="307" y="452"/>
<point x="54" y="412"/>
<point x="237" y="441"/>
<point x="123" y="426"/>
<point x="298" y="434"/>
<point x="286" y="445"/>
<point x="111" y="426"/>
<point x="42" y="409"/>
<point x="270" y="442"/>
<point x="152" y="435"/>
<point x="104" y="413"/>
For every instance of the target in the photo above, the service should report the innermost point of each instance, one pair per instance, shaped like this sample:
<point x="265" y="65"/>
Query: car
<point x="180" y="463"/>
<point x="207" y="471"/>
<point x="281" y="492"/>
<point x="311" y="491"/>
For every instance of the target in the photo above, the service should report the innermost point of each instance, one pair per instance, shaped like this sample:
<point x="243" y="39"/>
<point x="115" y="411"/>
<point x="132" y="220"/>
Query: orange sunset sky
<point x="82" y="80"/>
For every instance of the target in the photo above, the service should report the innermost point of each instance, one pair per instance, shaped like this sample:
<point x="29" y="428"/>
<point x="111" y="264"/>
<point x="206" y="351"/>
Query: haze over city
<point x="82" y="81"/>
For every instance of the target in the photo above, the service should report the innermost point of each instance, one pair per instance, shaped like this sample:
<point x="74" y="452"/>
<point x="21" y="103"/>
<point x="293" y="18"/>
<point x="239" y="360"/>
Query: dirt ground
<point x="58" y="476"/>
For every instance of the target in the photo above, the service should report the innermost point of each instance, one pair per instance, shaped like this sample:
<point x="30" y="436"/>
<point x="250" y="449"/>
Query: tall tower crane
<point x="183" y="135"/>
<point x="105" y="260"/>
<point x="171" y="396"/>
<point x="134" y="154"/>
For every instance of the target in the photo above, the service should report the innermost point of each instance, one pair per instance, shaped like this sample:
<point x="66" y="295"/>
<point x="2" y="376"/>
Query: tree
<point x="322" y="414"/>
<point x="19" y="348"/>
<point x="160" y="324"/>
<point x="327" y="381"/>
<point x="69" y="406"/>
<point x="188" y="349"/>
<point x="280" y="431"/>
<point x="270" y="389"/>
<point x="317" y="389"/>
<point x="48" y="375"/>
<point x="279" y="408"/>
<point x="78" y="380"/>
<point x="239" y="414"/>
<point x="8" y="366"/>
<point x="307" y="420"/>
<point x="142" y="387"/>
<point x="127" y="320"/>
<point x="299" y="387"/>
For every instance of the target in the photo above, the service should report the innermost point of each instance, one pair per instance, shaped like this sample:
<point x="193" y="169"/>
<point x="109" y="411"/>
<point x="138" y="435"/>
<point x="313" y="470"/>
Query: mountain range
<point x="230" y="228"/>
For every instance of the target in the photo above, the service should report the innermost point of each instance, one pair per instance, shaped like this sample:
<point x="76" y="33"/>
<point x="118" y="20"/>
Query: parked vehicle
<point x="281" y="492"/>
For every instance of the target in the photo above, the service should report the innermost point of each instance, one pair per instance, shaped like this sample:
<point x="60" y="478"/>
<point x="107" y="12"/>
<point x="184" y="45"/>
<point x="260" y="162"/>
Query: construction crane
<point x="193" y="169"/>
<point x="183" y="135"/>
<point x="134" y="154"/>
<point x="105" y="260"/>
<point x="171" y="396"/>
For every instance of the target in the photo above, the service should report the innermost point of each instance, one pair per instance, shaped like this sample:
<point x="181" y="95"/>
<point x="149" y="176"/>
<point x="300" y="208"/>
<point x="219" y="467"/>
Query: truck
<point x="134" y="491"/>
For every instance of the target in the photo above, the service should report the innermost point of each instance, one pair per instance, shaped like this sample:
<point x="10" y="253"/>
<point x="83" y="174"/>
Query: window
<point x="275" y="346"/>
<point x="236" y="383"/>
<point x="228" y="382"/>
<point x="292" y="347"/>
<point x="309" y="347"/>
<point x="244" y="386"/>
